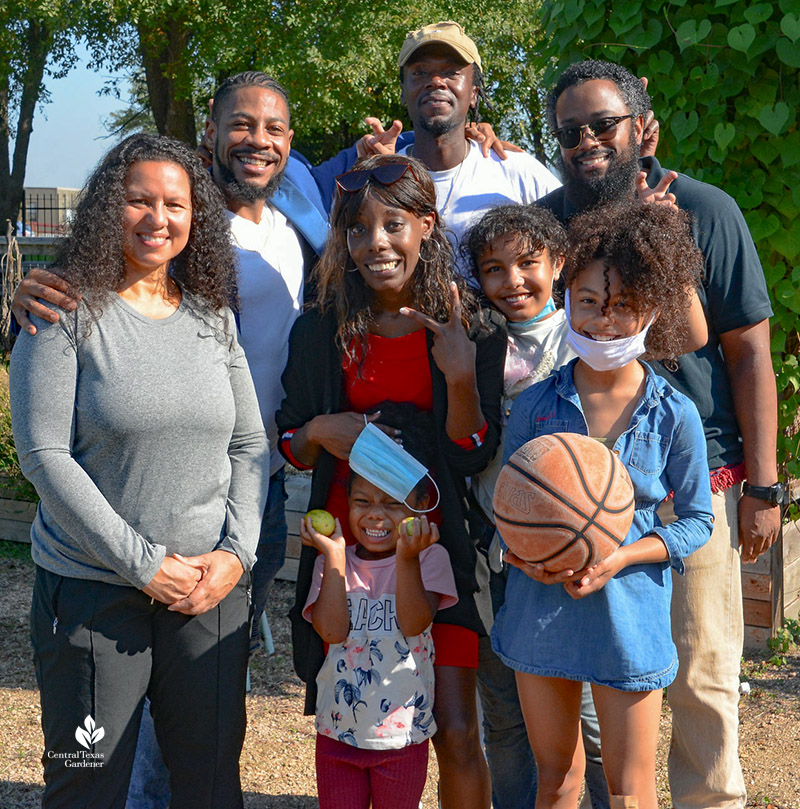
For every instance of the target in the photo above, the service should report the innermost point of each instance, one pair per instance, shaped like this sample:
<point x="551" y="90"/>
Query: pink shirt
<point x="375" y="690"/>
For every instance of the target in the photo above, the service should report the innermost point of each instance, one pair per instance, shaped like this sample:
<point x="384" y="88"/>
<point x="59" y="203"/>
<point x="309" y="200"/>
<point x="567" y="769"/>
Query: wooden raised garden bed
<point x="770" y="588"/>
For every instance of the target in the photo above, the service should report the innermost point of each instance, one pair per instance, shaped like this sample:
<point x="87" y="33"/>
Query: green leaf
<point x="716" y="154"/>
<point x="622" y="19"/>
<point x="790" y="150"/>
<point x="668" y="86"/>
<point x="788" y="52"/>
<point x="777" y="341"/>
<point x="660" y="62"/>
<point x="774" y="118"/>
<point x="786" y="243"/>
<point x="788" y="294"/>
<point x="741" y="37"/>
<point x="790" y="25"/>
<point x="592" y="15"/>
<point x="764" y="90"/>
<point x="690" y="32"/>
<point x="749" y="197"/>
<point x="724" y="134"/>
<point x="758" y="13"/>
<point x="765" y="150"/>
<point x="705" y="76"/>
<point x="682" y="125"/>
<point x="772" y="272"/>
<point x="721" y="3"/>
<point x="652" y="35"/>
<point x="762" y="227"/>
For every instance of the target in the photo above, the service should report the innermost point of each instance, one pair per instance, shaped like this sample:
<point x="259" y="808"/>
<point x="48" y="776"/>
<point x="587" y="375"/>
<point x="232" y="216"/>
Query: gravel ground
<point x="278" y="759"/>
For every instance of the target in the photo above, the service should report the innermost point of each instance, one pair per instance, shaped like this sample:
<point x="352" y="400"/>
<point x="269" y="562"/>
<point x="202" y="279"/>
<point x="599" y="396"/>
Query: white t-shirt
<point x="270" y="299"/>
<point x="478" y="183"/>
<point x="375" y="690"/>
<point x="533" y="353"/>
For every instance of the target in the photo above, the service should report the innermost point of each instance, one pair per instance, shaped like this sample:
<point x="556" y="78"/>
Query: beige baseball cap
<point x="447" y="33"/>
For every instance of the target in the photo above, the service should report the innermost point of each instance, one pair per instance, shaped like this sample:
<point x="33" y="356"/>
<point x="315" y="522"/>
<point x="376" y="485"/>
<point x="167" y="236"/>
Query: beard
<point x="438" y="126"/>
<point x="243" y="190"/>
<point x="619" y="180"/>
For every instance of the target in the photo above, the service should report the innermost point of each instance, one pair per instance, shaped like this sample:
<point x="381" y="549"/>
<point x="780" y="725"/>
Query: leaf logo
<point x="89" y="734"/>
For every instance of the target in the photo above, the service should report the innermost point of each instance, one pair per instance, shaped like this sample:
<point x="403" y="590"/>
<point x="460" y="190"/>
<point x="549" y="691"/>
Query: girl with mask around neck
<point x="392" y="322"/>
<point x="628" y="273"/>
<point x="517" y="254"/>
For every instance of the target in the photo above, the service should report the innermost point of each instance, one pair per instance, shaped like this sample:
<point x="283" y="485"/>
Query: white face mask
<point x="605" y="356"/>
<point x="384" y="463"/>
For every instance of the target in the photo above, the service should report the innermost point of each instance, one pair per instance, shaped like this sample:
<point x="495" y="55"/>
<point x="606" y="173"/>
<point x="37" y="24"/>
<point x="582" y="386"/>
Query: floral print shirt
<point x="375" y="690"/>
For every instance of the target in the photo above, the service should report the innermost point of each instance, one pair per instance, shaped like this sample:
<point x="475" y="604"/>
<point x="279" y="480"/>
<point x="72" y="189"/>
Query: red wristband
<point x="473" y="441"/>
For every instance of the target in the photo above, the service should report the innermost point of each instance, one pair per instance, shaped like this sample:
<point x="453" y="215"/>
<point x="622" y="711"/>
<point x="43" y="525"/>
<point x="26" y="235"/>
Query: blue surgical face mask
<point x="385" y="464"/>
<point x="549" y="308"/>
<point x="605" y="356"/>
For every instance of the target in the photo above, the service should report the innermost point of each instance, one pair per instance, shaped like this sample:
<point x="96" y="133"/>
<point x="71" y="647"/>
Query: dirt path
<point x="278" y="759"/>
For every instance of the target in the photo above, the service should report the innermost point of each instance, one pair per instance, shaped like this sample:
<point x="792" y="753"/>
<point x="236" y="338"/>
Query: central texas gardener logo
<point x="89" y="734"/>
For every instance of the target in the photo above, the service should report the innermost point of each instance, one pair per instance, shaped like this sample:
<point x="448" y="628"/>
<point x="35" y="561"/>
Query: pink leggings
<point x="348" y="778"/>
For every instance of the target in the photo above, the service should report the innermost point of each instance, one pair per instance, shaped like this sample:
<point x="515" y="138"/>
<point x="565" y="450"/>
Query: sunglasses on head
<point x="570" y="137"/>
<point x="386" y="175"/>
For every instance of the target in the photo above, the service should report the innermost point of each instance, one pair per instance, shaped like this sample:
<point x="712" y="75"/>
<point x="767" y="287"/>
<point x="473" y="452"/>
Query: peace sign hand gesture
<point x="454" y="354"/>
<point x="453" y="351"/>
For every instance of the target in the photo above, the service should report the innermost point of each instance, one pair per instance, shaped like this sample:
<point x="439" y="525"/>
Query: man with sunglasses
<point x="595" y="112"/>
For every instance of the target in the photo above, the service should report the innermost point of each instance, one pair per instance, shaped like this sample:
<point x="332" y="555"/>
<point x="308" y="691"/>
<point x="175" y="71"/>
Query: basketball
<point x="564" y="500"/>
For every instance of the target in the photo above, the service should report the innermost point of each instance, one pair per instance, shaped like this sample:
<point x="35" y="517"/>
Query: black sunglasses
<point x="386" y="175"/>
<point x="570" y="137"/>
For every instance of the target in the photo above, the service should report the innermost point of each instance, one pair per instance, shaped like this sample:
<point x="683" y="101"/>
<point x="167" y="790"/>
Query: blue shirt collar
<point x="655" y="387"/>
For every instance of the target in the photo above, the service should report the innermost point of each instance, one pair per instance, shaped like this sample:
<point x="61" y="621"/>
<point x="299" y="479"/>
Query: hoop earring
<point x="435" y="249"/>
<point x="349" y="260"/>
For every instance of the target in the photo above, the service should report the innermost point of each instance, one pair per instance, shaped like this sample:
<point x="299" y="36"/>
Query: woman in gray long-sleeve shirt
<point x="136" y="420"/>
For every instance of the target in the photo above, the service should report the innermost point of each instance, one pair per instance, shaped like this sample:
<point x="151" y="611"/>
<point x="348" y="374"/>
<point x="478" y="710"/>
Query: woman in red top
<point x="393" y="322"/>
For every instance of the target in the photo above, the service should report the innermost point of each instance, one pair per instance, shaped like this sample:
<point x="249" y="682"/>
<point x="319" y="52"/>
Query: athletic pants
<point x="98" y="649"/>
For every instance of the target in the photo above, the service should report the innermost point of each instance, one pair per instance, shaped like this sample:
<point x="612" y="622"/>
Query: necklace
<point x="443" y="207"/>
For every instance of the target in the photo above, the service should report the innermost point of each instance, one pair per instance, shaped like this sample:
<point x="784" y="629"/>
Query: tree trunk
<point x="38" y="42"/>
<point x="164" y="50"/>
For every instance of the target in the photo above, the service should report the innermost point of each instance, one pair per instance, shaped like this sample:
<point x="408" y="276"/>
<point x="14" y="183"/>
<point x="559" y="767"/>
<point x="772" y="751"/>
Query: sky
<point x="68" y="137"/>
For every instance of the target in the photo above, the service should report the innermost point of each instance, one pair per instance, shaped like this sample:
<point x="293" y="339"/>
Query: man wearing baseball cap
<point x="442" y="87"/>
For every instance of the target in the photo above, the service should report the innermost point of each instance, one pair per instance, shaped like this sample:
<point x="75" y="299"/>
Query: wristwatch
<point x="776" y="495"/>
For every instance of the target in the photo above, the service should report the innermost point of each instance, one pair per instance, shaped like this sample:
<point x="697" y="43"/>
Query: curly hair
<point x="658" y="261"/>
<point x="341" y="288"/>
<point x="91" y="259"/>
<point x="249" y="78"/>
<point x="630" y="87"/>
<point x="532" y="227"/>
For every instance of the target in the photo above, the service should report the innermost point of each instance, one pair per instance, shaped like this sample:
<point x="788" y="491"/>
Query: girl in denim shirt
<point x="627" y="267"/>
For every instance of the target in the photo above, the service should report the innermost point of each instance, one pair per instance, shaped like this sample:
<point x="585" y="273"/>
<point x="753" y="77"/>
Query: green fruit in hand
<point x="407" y="525"/>
<point x="322" y="521"/>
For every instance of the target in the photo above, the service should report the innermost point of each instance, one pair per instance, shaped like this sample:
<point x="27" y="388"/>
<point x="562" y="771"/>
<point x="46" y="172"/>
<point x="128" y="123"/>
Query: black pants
<point x="98" y="649"/>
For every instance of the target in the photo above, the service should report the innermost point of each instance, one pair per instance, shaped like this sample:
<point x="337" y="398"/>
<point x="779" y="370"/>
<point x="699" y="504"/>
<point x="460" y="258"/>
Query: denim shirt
<point x="620" y="636"/>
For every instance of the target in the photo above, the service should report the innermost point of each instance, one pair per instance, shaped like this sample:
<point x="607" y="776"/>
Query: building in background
<point x="46" y="211"/>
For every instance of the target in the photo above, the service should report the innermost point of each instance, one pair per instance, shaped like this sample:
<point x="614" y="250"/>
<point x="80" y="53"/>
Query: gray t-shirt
<point x="142" y="439"/>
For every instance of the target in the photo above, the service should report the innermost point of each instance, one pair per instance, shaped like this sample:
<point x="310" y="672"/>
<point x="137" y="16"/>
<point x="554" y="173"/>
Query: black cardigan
<point x="313" y="384"/>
